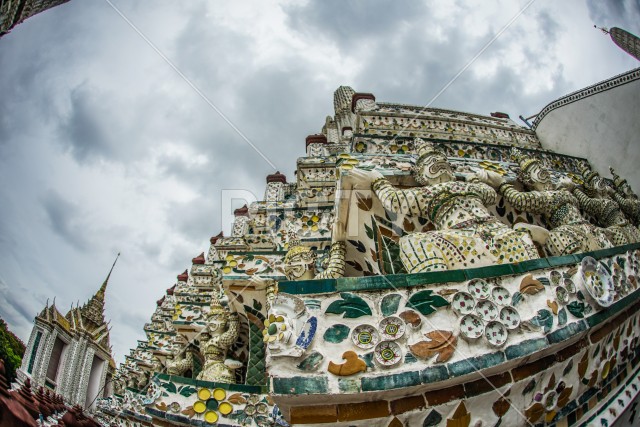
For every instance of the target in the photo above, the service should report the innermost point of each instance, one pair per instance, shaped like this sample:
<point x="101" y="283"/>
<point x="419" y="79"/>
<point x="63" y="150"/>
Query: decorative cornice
<point x="605" y="85"/>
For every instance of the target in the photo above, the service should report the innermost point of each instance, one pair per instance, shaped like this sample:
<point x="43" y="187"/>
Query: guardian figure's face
<point x="299" y="266"/>
<point x="538" y="177"/>
<point x="433" y="169"/>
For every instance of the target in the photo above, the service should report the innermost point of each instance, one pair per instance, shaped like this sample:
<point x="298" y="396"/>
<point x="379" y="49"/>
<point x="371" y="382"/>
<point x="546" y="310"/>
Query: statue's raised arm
<point x="467" y="235"/>
<point x="569" y="232"/>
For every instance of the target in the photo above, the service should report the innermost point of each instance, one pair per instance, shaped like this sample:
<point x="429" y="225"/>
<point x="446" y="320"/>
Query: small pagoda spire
<point x="103" y="288"/>
<point x="93" y="310"/>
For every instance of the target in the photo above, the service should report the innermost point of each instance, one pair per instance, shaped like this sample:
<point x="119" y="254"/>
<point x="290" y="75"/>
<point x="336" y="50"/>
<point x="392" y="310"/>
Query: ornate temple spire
<point x="342" y="99"/>
<point x="625" y="40"/>
<point x="93" y="310"/>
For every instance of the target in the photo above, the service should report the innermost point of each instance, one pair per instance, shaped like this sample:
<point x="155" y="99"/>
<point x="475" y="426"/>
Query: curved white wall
<point x="604" y="127"/>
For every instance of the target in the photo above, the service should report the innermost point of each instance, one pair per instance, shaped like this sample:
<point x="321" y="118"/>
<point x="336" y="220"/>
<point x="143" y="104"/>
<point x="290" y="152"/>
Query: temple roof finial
<point x="103" y="288"/>
<point x="93" y="310"/>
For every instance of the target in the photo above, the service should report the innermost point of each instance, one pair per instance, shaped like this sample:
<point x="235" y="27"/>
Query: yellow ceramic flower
<point x="212" y="404"/>
<point x="274" y="328"/>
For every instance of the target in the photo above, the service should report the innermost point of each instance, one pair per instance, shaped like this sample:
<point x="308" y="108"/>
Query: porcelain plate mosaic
<point x="388" y="353"/>
<point x="597" y="281"/>
<point x="479" y="289"/>
<point x="365" y="336"/>
<point x="392" y="328"/>
<point x="463" y="303"/>
<point x="471" y="327"/>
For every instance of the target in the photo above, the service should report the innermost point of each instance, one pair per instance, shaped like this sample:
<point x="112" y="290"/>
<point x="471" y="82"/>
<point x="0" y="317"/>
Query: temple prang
<point x="423" y="267"/>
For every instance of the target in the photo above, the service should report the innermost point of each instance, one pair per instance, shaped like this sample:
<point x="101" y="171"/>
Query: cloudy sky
<point x="105" y="147"/>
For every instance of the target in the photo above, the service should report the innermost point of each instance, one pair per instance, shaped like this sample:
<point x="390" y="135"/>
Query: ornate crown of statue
<point x="295" y="246"/>
<point x="425" y="149"/>
<point x="216" y="309"/>
<point x="587" y="176"/>
<point x="525" y="161"/>
<point x="618" y="182"/>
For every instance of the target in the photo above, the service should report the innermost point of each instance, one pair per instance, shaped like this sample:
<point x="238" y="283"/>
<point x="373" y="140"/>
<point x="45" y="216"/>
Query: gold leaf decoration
<point x="162" y="406"/>
<point x="364" y="202"/>
<point x="353" y="365"/>
<point x="236" y="399"/>
<point x="564" y="397"/>
<point x="188" y="411"/>
<point x="530" y="286"/>
<point x="534" y="412"/>
<point x="553" y="306"/>
<point x="446" y="292"/>
<point x="583" y="365"/>
<point x="442" y="343"/>
<point x="411" y="317"/>
<point x="460" y="418"/>
<point x="550" y="416"/>
<point x="501" y="407"/>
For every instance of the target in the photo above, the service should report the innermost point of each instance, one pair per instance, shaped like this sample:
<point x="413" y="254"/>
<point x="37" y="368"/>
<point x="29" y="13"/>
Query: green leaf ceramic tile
<point x="544" y="319"/>
<point x="562" y="317"/>
<point x="336" y="333"/>
<point x="352" y="306"/>
<point x="425" y="302"/>
<point x="576" y="308"/>
<point x="389" y="304"/>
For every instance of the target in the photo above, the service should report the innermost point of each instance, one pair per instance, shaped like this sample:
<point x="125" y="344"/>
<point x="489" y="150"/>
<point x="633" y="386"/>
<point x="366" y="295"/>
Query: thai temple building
<point x="70" y="354"/>
<point x="424" y="267"/>
<point x="14" y="12"/>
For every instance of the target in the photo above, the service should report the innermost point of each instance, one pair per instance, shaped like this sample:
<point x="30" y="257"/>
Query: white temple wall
<point x="74" y="393"/>
<point x="94" y="381"/>
<point x="39" y="371"/>
<point x="23" y="372"/>
<point x="602" y="127"/>
<point x="83" y="376"/>
<point x="63" y="365"/>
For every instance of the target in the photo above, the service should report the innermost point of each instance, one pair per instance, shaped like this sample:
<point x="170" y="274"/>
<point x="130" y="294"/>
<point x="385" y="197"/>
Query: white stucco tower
<point x="71" y="354"/>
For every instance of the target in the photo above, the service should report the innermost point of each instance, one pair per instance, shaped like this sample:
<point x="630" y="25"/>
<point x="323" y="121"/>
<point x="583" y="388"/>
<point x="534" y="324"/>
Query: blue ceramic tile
<point x="349" y="385"/>
<point x="558" y="261"/>
<point x="474" y="364"/>
<point x="490" y="271"/>
<point x="434" y="374"/>
<point x="300" y="385"/>
<point x="388" y="382"/>
<point x="567" y="332"/>
<point x="525" y="348"/>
